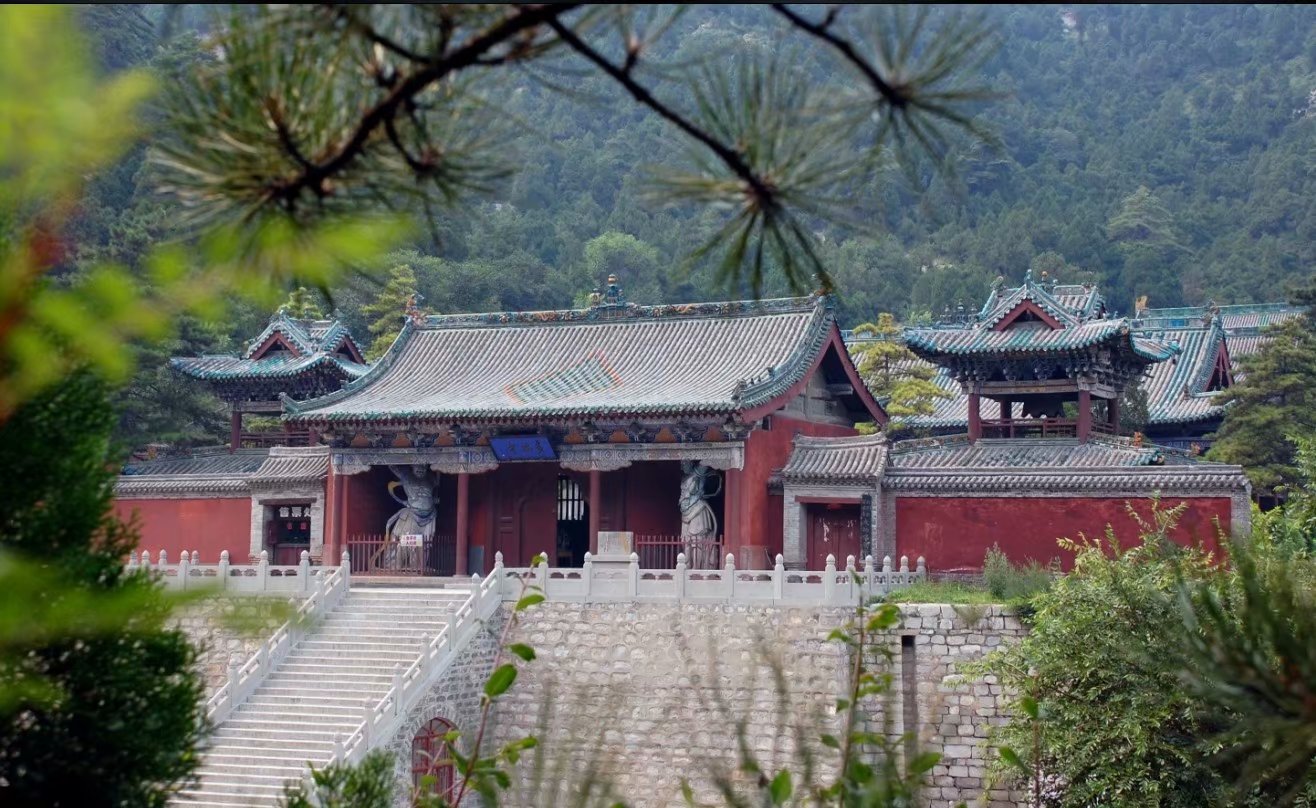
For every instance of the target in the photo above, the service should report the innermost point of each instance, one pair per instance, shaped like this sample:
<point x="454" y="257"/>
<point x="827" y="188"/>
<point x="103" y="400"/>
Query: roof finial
<point x="1028" y="276"/>
<point x="412" y="308"/>
<point x="612" y="294"/>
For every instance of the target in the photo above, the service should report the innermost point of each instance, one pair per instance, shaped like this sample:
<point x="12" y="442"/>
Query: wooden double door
<point x="833" y="529"/>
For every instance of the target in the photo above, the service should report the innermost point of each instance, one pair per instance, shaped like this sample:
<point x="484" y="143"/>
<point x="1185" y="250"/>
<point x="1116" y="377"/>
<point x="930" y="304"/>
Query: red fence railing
<point x="383" y="555"/>
<point x="1039" y="427"/>
<point x="658" y="552"/>
<point x="264" y="440"/>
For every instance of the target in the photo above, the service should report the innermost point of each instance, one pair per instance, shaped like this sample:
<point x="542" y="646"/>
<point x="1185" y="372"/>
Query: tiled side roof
<point x="242" y="462"/>
<point x="1176" y="390"/>
<point x="288" y="464"/>
<point x="853" y="459"/>
<point x="218" y="475"/>
<point x="277" y="366"/>
<point x="309" y="336"/>
<point x="961" y="453"/>
<point x="675" y="360"/>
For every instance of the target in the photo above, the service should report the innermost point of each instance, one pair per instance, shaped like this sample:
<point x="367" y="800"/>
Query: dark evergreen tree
<point x="111" y="719"/>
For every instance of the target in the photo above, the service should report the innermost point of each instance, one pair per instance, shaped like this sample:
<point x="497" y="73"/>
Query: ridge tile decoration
<point x="317" y="355"/>
<point x="698" y="359"/>
<point x="1181" y="392"/>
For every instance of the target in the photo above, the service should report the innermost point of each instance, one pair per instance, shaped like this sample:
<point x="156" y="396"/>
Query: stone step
<point x="310" y="701"/>
<point x="205" y="799"/>
<point x="342" y="673"/>
<point x="343" y="724"/>
<point x="232" y="758"/>
<point x="312" y="749"/>
<point x="360" y="645"/>
<point x="404" y="583"/>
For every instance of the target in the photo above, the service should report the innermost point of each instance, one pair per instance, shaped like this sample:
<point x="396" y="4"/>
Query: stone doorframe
<point x="264" y="498"/>
<point x="796" y="499"/>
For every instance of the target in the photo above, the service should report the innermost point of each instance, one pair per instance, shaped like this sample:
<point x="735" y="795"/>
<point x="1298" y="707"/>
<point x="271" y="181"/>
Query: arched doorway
<point x="572" y="524"/>
<point x="431" y="763"/>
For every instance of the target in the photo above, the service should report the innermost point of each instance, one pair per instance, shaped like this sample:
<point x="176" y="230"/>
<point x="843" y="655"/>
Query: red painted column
<point x="595" y="508"/>
<point x="975" y="417"/>
<point x="235" y="430"/>
<point x="1007" y="415"/>
<point x="332" y="482"/>
<point x="733" y="513"/>
<point x="1084" y="414"/>
<point x="463" y="519"/>
<point x="1113" y="415"/>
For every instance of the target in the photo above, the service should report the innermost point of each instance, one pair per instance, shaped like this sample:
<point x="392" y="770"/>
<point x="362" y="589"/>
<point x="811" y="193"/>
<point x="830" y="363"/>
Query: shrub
<point x="1013" y="583"/>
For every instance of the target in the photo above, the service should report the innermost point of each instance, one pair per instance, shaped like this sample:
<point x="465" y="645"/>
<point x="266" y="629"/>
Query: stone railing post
<point x="679" y="576"/>
<point x="541" y="574"/>
<point x="164" y="559"/>
<point x="304" y="570"/>
<point x="196" y="557"/>
<point x="850" y="570"/>
<point x="182" y="570"/>
<point x="922" y="568"/>
<point x="223" y="569"/>
<point x="263" y="570"/>
<point x="729" y="572"/>
<point x="397" y="688"/>
<point x="904" y="563"/>
<point x="146" y="560"/>
<point x="347" y="568"/>
<point x="779" y="578"/>
<point x="476" y="596"/>
<point x="886" y="564"/>
<point x="868" y="575"/>
<point x="829" y="579"/>
<point x="368" y="718"/>
<point x="234" y="671"/>
<point x="338" y="747"/>
<point x="132" y="561"/>
<point x="587" y="574"/>
<point x="633" y="576"/>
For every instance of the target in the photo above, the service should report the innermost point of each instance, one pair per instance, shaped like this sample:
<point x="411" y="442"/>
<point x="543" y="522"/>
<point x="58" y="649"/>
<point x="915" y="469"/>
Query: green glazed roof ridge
<point x="1028" y="291"/>
<point x="296" y="408"/>
<point x="754" y="392"/>
<point x="262" y="368"/>
<point x="624" y="312"/>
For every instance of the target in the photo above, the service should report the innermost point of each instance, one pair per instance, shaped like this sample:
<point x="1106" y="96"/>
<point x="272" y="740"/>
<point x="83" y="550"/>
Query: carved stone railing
<point x="596" y="582"/>
<point x="381" y="718"/>
<point x="190" y="573"/>
<point x="329" y="588"/>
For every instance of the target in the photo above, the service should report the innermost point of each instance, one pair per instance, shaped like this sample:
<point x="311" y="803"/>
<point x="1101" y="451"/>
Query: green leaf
<point x="1012" y="758"/>
<point x="1029" y="705"/>
<point x="526" y="602"/>
<point x="780" y="788"/>
<point x="829" y="741"/>
<point x="842" y="705"/>
<point x="522" y="650"/>
<point x="500" y="680"/>
<point x="923" y="763"/>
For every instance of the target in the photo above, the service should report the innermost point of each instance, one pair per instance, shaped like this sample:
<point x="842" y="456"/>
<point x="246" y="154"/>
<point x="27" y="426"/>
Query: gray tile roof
<point x="959" y="452"/>
<point x="242" y="462"/>
<point x="854" y="459"/>
<point x="628" y="360"/>
<point x="316" y="344"/>
<point x="293" y="464"/>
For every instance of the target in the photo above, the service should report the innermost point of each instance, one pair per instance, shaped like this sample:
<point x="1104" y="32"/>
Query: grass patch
<point x="943" y="592"/>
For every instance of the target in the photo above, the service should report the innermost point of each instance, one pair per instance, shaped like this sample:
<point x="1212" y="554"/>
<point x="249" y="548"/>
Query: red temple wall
<point x="368" y="506"/>
<point x="955" y="532"/>
<point x="208" y="526"/>
<point x="766" y="451"/>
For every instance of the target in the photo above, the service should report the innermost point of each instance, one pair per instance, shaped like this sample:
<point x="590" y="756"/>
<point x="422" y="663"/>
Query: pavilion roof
<point x="1080" y="319"/>
<point x="612" y="359"/>
<point x="306" y="346"/>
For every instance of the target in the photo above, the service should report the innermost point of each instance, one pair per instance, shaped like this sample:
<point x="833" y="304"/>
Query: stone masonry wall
<point x="647" y="694"/>
<point x="223" y="627"/>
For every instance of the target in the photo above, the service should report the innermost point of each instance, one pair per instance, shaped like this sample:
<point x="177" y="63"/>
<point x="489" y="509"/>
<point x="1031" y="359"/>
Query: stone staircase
<point x="318" y="693"/>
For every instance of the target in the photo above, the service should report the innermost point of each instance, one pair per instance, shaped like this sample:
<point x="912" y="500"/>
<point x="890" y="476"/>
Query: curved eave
<point x="833" y="342"/>
<point x="179" y="365"/>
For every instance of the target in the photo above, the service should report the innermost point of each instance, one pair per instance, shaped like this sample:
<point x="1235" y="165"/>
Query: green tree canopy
<point x="389" y="309"/>
<point x="1274" y="400"/>
<point x="899" y="380"/>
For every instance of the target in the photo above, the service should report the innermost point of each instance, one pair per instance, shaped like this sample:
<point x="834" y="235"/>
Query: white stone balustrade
<point x="596" y="582"/>
<point x="190" y="573"/>
<point x="329" y="588"/>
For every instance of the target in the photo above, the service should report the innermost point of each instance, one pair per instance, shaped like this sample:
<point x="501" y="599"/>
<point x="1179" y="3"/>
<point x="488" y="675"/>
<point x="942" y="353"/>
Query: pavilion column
<point x="235" y="430"/>
<point x="1113" y="415"/>
<point x="463" y="519"/>
<point x="329" y="546"/>
<point x="595" y="506"/>
<point x="1084" y="414"/>
<point x="975" y="417"/>
<point x="1007" y="415"/>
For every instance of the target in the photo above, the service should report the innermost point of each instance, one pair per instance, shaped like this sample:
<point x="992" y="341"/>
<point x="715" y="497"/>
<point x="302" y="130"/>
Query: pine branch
<point x="823" y="31"/>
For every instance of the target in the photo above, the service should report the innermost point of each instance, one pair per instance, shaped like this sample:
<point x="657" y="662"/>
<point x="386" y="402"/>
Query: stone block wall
<point x="649" y="694"/>
<point x="224" y="627"/>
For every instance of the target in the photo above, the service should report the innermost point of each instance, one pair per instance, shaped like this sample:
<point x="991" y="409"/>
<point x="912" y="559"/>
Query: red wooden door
<point x="834" y="530"/>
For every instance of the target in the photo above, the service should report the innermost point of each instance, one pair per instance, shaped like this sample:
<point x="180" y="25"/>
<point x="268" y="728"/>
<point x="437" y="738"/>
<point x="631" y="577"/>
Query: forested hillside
<point x="1164" y="151"/>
